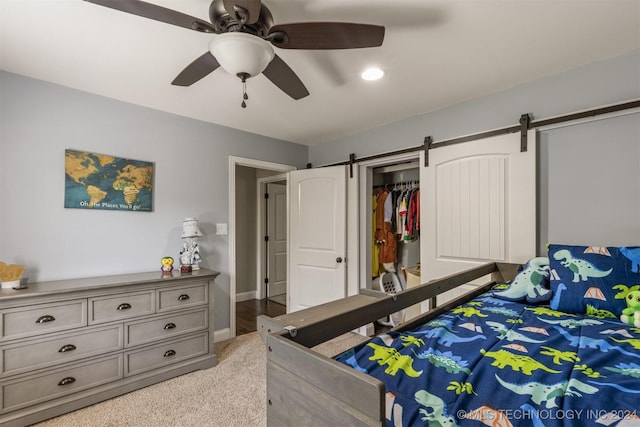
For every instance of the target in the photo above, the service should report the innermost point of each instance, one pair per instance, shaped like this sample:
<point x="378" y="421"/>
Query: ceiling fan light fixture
<point x="372" y="73"/>
<point x="241" y="53"/>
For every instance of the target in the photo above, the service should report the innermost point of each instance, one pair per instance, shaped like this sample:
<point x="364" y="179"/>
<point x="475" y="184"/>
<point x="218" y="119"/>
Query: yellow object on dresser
<point x="10" y="274"/>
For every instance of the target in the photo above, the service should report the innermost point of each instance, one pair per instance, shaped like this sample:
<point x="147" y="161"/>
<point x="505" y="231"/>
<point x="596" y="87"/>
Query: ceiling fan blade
<point x="326" y="35"/>
<point x="243" y="8"/>
<point x="157" y="13"/>
<point x="283" y="76"/>
<point x="198" y="69"/>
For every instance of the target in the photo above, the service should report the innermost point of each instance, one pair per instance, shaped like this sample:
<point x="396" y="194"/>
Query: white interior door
<point x="478" y="202"/>
<point x="317" y="237"/>
<point x="277" y="243"/>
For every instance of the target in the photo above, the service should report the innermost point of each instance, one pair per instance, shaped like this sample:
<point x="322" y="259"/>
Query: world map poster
<point x="100" y="181"/>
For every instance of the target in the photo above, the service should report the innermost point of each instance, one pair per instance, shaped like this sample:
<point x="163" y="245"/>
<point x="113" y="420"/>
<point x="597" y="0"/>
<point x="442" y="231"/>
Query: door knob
<point x="339" y="260"/>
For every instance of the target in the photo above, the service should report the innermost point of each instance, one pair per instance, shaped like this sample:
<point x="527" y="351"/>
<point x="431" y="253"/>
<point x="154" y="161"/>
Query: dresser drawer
<point x="31" y="355"/>
<point x="145" y="331"/>
<point x="34" y="389"/>
<point x="42" y="318"/>
<point x="153" y="357"/>
<point x="183" y="296"/>
<point x="121" y="306"/>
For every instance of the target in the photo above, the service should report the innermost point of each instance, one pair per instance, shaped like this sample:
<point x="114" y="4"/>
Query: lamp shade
<point x="190" y="228"/>
<point x="241" y="53"/>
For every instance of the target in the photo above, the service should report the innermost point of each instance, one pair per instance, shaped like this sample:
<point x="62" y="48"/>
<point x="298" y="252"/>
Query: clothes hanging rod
<point x="415" y="183"/>
<point x="397" y="166"/>
<point x="429" y="144"/>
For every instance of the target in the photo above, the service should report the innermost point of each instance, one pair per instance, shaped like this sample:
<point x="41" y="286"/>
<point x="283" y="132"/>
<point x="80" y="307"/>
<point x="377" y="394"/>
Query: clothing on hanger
<point x="387" y="243"/>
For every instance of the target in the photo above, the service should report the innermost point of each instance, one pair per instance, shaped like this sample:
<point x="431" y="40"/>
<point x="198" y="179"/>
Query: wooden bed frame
<point x="305" y="388"/>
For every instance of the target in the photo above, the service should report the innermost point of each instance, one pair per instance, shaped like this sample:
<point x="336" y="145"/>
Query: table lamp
<point x="190" y="253"/>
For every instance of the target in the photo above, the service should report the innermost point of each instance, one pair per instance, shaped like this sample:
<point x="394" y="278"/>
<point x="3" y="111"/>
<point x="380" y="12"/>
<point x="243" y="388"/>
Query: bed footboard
<point x="305" y="388"/>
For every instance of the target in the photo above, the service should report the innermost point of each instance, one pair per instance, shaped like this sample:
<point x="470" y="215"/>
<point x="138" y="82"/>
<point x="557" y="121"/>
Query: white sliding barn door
<point x="478" y="203"/>
<point x="317" y="236"/>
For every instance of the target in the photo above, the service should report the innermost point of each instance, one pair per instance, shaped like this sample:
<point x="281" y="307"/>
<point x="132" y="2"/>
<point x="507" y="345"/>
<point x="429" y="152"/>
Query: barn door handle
<point x="339" y="259"/>
<point x="124" y="306"/>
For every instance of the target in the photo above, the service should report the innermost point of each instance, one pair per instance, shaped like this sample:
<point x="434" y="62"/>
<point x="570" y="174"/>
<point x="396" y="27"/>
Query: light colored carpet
<point x="233" y="393"/>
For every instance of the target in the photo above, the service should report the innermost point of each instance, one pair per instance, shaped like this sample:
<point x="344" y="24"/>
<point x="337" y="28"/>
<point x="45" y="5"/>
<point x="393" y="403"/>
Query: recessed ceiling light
<point x="372" y="73"/>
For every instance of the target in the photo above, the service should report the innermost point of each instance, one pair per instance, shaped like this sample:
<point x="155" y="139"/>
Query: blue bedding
<point x="501" y="363"/>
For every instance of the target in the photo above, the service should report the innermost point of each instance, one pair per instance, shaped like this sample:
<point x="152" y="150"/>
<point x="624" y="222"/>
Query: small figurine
<point x="167" y="265"/>
<point x="631" y="314"/>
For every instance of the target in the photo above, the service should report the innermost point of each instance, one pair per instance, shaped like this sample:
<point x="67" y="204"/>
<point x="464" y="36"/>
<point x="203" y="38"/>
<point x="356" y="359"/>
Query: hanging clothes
<point x="396" y="218"/>
<point x="375" y="258"/>
<point x="402" y="215"/>
<point x="413" y="215"/>
<point x="385" y="238"/>
<point x="418" y="213"/>
<point x="395" y="194"/>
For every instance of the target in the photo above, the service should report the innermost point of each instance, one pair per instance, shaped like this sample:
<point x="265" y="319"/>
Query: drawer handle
<point x="169" y="326"/>
<point x="66" y="348"/>
<point x="170" y="353"/>
<point x="67" y="381"/>
<point x="46" y="318"/>
<point x="124" y="306"/>
<point x="183" y="297"/>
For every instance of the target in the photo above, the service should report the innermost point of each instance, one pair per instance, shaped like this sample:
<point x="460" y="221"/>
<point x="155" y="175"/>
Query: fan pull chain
<point x="244" y="77"/>
<point x="244" y="94"/>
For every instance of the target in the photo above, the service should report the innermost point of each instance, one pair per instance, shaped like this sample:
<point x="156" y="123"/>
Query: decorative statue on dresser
<point x="195" y="256"/>
<point x="185" y="254"/>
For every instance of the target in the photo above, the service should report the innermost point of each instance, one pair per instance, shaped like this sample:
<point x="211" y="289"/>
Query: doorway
<point x="245" y="236"/>
<point x="274" y="265"/>
<point x="396" y="174"/>
<point x="248" y="311"/>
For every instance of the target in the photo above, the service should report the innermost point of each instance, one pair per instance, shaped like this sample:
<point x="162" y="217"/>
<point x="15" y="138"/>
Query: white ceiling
<point x="436" y="53"/>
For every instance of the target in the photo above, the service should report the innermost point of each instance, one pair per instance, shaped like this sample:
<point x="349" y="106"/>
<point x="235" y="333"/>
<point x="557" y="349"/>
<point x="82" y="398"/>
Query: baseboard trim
<point x="222" y="335"/>
<point x="245" y="296"/>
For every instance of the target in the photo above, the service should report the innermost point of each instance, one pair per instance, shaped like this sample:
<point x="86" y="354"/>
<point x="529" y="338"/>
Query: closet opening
<point x="390" y="227"/>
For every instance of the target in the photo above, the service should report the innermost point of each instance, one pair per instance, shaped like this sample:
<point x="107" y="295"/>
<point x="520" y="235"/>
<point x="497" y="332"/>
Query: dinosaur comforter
<point x="496" y="362"/>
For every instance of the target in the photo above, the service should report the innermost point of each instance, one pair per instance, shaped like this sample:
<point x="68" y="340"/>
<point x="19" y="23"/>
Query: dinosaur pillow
<point x="592" y="279"/>
<point x="531" y="284"/>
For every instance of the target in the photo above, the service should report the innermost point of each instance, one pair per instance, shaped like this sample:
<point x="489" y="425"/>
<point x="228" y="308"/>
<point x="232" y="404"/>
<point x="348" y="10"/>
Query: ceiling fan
<point x="245" y="36"/>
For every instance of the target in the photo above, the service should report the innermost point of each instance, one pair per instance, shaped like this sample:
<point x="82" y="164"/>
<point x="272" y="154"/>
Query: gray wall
<point x="600" y="83"/>
<point x="589" y="173"/>
<point x="590" y="192"/>
<point x="38" y="121"/>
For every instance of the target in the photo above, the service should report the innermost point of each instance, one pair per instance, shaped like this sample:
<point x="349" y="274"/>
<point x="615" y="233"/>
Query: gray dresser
<point x="71" y="343"/>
